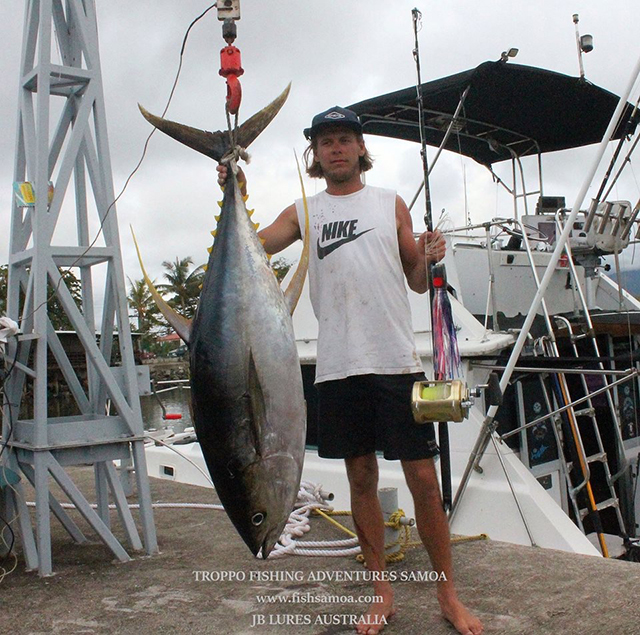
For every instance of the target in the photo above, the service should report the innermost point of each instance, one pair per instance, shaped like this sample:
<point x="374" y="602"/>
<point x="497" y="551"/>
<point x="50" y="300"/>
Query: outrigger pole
<point x="489" y="425"/>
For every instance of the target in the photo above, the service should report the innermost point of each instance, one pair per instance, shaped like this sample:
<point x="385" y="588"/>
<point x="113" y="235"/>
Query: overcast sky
<point x="334" y="52"/>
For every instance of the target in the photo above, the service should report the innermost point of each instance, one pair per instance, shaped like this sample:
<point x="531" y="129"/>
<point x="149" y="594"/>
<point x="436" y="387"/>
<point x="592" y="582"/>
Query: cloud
<point x="334" y="52"/>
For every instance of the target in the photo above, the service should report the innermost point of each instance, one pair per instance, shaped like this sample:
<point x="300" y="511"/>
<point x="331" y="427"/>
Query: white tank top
<point x="357" y="285"/>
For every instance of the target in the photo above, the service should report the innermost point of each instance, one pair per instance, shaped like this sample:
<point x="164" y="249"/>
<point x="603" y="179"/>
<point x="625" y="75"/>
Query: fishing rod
<point x="627" y="126"/>
<point x="436" y="279"/>
<point x="627" y="159"/>
<point x="444" y="398"/>
<point x="428" y="218"/>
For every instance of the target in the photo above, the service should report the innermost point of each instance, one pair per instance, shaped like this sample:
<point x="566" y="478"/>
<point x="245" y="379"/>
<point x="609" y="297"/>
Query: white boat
<point x="568" y="481"/>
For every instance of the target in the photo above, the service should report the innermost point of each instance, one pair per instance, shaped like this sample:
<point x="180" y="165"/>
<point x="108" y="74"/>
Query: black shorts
<point x="367" y="413"/>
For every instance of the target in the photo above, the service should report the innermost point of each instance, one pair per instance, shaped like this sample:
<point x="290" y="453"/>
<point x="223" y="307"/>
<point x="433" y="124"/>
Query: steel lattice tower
<point x="73" y="155"/>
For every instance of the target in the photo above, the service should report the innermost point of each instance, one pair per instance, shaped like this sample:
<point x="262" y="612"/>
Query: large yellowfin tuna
<point x="246" y="386"/>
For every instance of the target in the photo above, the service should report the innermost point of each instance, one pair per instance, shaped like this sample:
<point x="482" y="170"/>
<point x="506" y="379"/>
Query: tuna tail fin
<point x="294" y="289"/>
<point x="216" y="144"/>
<point x="182" y="325"/>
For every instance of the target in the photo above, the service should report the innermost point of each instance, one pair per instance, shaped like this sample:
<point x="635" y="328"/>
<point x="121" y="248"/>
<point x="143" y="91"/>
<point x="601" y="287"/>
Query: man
<point x="362" y="249"/>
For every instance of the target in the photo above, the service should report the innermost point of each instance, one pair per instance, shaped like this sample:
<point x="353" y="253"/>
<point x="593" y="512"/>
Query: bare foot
<point x="376" y="617"/>
<point x="457" y="613"/>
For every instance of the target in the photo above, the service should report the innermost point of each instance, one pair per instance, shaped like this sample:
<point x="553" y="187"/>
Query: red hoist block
<point x="231" y="69"/>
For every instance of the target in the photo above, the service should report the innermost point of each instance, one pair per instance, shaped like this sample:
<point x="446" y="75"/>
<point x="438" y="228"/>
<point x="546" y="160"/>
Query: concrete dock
<point x="514" y="590"/>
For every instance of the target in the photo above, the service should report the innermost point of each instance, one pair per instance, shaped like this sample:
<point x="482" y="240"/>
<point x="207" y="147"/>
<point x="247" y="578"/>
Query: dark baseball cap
<point x="335" y="116"/>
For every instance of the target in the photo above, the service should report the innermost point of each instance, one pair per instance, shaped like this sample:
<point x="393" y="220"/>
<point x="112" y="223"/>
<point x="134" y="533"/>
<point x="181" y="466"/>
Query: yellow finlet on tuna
<point x="268" y="427"/>
<point x="219" y="203"/>
<point x="256" y="225"/>
<point x="209" y="249"/>
<point x="214" y="232"/>
<point x="217" y="218"/>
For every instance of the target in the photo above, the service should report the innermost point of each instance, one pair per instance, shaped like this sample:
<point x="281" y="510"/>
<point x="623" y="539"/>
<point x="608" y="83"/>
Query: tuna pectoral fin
<point x="216" y="144"/>
<point x="181" y="324"/>
<point x="256" y="408"/>
<point x="294" y="289"/>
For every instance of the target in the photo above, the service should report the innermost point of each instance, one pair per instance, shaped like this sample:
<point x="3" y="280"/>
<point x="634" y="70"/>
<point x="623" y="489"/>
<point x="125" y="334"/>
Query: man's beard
<point x="341" y="176"/>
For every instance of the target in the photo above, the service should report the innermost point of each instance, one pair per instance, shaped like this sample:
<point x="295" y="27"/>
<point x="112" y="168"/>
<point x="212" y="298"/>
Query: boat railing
<point x="563" y="398"/>
<point x="590" y="335"/>
<point x="171" y="385"/>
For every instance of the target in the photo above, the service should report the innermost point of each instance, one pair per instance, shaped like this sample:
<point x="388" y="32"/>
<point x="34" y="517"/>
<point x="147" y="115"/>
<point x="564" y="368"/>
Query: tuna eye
<point x="258" y="518"/>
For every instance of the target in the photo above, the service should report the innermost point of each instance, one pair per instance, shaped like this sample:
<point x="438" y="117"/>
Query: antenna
<point x="584" y="44"/>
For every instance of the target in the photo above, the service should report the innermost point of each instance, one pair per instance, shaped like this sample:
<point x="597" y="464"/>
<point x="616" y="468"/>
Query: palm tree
<point x="145" y="310"/>
<point x="184" y="285"/>
<point x="142" y="303"/>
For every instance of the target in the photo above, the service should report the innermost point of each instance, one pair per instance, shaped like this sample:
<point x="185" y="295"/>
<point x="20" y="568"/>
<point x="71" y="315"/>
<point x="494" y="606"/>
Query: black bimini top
<point x="510" y="110"/>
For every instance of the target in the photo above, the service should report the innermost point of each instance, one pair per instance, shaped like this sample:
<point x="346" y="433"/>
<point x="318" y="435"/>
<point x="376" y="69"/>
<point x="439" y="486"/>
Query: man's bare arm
<point x="284" y="231"/>
<point x="412" y="252"/>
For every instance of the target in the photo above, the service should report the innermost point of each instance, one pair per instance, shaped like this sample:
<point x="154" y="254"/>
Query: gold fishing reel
<point x="446" y="400"/>
<point x="450" y="399"/>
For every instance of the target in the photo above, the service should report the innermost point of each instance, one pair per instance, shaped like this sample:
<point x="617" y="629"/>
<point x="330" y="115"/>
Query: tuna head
<point x="270" y="487"/>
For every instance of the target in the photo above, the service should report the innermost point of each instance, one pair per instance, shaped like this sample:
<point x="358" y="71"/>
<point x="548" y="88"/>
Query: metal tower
<point x="69" y="169"/>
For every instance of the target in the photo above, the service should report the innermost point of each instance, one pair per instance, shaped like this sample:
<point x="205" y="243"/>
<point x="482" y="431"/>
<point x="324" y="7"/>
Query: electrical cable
<point x="4" y="443"/>
<point x="7" y="401"/>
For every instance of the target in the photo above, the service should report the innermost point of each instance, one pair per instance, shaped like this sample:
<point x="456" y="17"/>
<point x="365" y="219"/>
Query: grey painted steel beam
<point x="72" y="149"/>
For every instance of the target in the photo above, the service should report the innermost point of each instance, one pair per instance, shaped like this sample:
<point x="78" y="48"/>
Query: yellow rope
<point x="455" y="539"/>
<point x="395" y="519"/>
<point x="395" y="523"/>
<point x="335" y="522"/>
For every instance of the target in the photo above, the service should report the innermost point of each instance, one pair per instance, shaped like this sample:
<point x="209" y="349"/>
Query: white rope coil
<point x="310" y="496"/>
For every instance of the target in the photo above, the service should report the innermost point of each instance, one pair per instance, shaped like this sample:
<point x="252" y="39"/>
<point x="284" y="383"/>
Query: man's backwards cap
<point x="335" y="116"/>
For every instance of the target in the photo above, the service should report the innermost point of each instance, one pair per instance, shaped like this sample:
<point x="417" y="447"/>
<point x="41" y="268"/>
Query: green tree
<point x="149" y="318"/>
<point x="183" y="285"/>
<point x="57" y="315"/>
<point x="280" y="267"/>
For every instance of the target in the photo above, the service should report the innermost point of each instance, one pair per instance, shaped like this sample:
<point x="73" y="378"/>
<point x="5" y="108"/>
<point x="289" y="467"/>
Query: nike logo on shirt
<point x="345" y="230"/>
